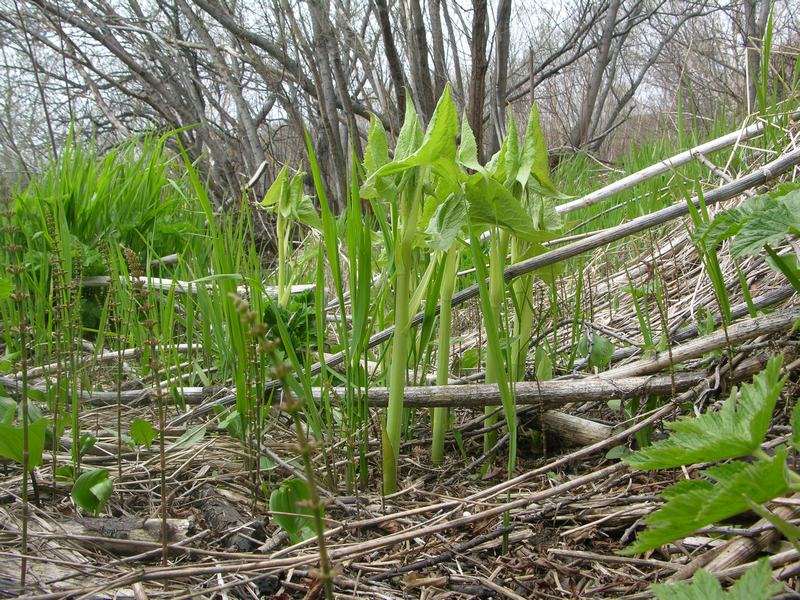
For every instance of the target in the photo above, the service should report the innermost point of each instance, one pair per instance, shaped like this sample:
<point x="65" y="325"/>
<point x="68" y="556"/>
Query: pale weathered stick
<point x="181" y="287"/>
<point x="546" y="394"/>
<point x="575" y="431"/>
<point x="738" y="332"/>
<point x="665" y="166"/>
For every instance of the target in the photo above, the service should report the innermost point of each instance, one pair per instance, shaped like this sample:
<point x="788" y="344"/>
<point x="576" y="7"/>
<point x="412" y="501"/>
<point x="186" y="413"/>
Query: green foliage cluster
<point x="760" y="223"/>
<point x="722" y="491"/>
<point x="131" y="196"/>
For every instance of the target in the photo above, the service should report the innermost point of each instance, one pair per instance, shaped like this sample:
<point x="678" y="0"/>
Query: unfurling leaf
<point x="142" y="433"/>
<point x="288" y="504"/>
<point x="92" y="489"/>
<point x="446" y="223"/>
<point x="11" y="442"/>
<point x="533" y="158"/>
<point x="468" y="150"/>
<point x="376" y="153"/>
<point x="276" y="190"/>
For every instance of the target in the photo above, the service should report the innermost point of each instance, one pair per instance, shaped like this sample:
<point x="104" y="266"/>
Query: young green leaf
<point x="376" y="154"/>
<point x="92" y="489"/>
<point x="11" y="442"/>
<point x="190" y="437"/>
<point x="468" y="150"/>
<point x="409" y="138"/>
<point x="438" y="143"/>
<point x="142" y="433"/>
<point x="292" y="498"/>
<point x="602" y="351"/>
<point x="736" y="430"/>
<point x="446" y="223"/>
<point x="8" y="408"/>
<point x="276" y="190"/>
<point x="491" y="204"/>
<point x="795" y="441"/>
<point x="692" y="504"/>
<point x="533" y="158"/>
<point x="766" y="227"/>
<point x="508" y="160"/>
<point x="755" y="584"/>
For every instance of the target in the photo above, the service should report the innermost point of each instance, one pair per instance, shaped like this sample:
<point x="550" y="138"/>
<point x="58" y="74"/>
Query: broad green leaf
<point x="376" y="154"/>
<point x="736" y="430"/>
<point x="692" y="504"/>
<point x="292" y="497"/>
<point x="543" y="211"/>
<point x="142" y="433"/>
<point x="795" y="441"/>
<point x="766" y="227"/>
<point x="533" y="158"/>
<point x="704" y="586"/>
<point x="92" y="489"/>
<point x="602" y="351"/>
<point x="508" y="162"/>
<point x="86" y="443"/>
<point x="492" y="205"/>
<point x="438" y="143"/>
<point x="11" y="442"/>
<point x="468" y="150"/>
<point x="446" y="223"/>
<point x="276" y="190"/>
<point x="306" y="213"/>
<point x="755" y="584"/>
<point x="8" y="409"/>
<point x="785" y="263"/>
<point x="190" y="437"/>
<point x="408" y="139"/>
<point x="469" y="359"/>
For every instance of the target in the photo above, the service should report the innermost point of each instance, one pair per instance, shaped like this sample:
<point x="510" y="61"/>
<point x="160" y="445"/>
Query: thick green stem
<point x="499" y="246"/>
<point x="398" y="360"/>
<point x="441" y="414"/>
<point x="523" y="287"/>
<point x="283" y="242"/>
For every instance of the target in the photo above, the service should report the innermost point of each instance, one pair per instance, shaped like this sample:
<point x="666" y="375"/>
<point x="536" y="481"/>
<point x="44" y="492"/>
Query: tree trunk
<point x="437" y="41"/>
<point x="420" y="72"/>
<point x="395" y="69"/>
<point x="581" y="129"/>
<point x="477" y="82"/>
<point x="502" y="42"/>
<point x="755" y="24"/>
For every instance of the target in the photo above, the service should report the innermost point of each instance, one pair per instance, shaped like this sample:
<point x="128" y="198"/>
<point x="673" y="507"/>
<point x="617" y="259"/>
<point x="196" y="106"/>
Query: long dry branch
<point x="545" y="394"/>
<point x="666" y="165"/>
